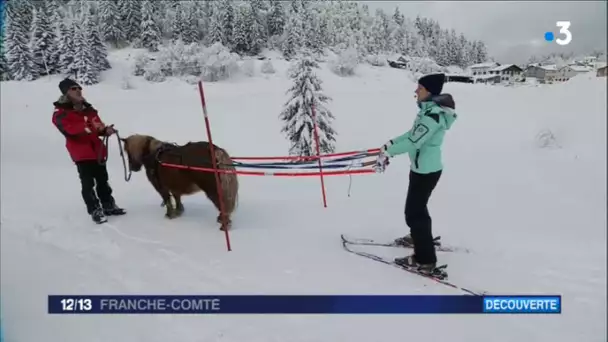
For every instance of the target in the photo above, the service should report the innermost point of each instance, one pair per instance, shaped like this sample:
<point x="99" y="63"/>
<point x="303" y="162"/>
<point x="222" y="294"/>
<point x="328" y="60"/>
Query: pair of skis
<point x="438" y="274"/>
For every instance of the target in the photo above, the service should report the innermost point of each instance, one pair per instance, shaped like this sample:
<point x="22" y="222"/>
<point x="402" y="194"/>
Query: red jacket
<point x="78" y="127"/>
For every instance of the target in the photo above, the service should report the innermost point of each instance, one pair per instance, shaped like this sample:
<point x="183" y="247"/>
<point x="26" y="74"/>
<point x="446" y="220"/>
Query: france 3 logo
<point x="564" y="28"/>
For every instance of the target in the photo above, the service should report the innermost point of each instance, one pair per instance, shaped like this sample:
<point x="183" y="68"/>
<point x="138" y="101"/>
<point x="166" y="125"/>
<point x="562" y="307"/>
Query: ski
<point x="372" y="242"/>
<point x="440" y="276"/>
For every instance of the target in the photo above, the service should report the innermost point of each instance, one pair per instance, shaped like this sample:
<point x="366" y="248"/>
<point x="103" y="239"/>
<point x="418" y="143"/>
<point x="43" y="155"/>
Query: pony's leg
<point x="225" y="224"/>
<point x="179" y="206"/>
<point x="164" y="193"/>
<point x="211" y="193"/>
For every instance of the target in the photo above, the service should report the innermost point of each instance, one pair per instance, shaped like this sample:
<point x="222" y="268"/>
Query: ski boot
<point x="98" y="216"/>
<point x="425" y="269"/>
<point x="407" y="241"/>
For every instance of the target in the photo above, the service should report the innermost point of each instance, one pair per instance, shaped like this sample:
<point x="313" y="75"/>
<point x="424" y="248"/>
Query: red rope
<point x="271" y="173"/>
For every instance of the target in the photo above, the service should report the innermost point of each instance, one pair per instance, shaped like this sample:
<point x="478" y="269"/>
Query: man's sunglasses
<point x="76" y="88"/>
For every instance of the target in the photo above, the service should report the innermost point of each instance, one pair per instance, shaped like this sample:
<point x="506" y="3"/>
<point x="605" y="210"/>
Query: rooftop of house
<point x="504" y="67"/>
<point x="552" y="67"/>
<point x="578" y="68"/>
<point x="484" y="65"/>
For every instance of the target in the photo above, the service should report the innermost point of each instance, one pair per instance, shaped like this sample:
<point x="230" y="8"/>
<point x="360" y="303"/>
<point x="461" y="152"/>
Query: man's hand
<point x="108" y="130"/>
<point x="98" y="126"/>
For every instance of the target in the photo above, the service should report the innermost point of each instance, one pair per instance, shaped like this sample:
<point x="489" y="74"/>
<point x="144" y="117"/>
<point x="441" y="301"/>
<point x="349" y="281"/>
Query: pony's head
<point x="138" y="147"/>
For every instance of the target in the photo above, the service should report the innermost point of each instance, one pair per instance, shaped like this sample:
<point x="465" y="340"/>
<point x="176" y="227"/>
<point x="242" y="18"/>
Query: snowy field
<point x="533" y="218"/>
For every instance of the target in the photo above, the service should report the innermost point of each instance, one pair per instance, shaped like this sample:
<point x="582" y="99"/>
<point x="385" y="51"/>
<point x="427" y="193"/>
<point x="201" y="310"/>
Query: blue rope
<point x="296" y="167"/>
<point x="302" y="164"/>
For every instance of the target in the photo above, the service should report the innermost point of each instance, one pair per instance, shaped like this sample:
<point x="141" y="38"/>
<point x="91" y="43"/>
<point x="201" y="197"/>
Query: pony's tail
<point x="228" y="181"/>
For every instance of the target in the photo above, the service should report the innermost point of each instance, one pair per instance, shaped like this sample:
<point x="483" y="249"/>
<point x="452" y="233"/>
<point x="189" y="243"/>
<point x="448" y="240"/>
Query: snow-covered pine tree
<point x="481" y="52"/>
<point x="184" y="23"/>
<point x="99" y="51"/>
<point x="259" y="29"/>
<point x="84" y="63"/>
<point x="112" y="27"/>
<point x="159" y="11"/>
<point x="56" y="19"/>
<point x="207" y="12"/>
<point x="463" y="56"/>
<point x="276" y="18"/>
<point x="471" y="52"/>
<point x="73" y="8"/>
<point x="242" y="32"/>
<point x="297" y="114"/>
<point x="294" y="35"/>
<point x="225" y="12"/>
<point x="222" y="24"/>
<point x="259" y="11"/>
<point x="322" y="27"/>
<point x="4" y="76"/>
<point x="308" y="28"/>
<point x="43" y="43"/>
<point x="441" y="49"/>
<point x="453" y="49"/>
<point x="131" y="18"/>
<point x="316" y="36"/>
<point x="415" y="44"/>
<point x="215" y="29"/>
<point x="398" y="18"/>
<point x="150" y="32"/>
<point x="176" y="22"/>
<point x="26" y="9"/>
<point x="3" y="70"/>
<point x="399" y="34"/>
<point x="19" y="61"/>
<point x="378" y="42"/>
<point x="66" y="46"/>
<point x="189" y="24"/>
<point x="326" y="27"/>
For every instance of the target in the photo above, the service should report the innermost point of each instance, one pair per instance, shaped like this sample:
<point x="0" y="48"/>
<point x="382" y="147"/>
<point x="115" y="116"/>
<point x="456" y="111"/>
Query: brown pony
<point x="146" y="151"/>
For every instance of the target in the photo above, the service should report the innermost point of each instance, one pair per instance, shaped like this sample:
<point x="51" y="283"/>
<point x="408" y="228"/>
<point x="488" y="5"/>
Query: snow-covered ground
<point x="534" y="218"/>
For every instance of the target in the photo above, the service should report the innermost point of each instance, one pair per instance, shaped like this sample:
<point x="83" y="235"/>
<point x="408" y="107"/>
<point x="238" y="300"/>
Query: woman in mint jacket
<point x="423" y="145"/>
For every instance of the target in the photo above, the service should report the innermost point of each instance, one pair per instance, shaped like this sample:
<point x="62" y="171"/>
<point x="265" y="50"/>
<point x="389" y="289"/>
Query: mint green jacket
<point x="423" y="141"/>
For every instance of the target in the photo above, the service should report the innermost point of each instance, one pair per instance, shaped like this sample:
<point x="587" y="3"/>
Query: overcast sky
<point x="512" y="30"/>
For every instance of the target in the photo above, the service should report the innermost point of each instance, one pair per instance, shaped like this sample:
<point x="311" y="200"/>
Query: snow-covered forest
<point x="71" y="37"/>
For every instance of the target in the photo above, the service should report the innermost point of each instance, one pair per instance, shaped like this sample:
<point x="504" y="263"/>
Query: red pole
<point x="215" y="166"/>
<point x="314" y="119"/>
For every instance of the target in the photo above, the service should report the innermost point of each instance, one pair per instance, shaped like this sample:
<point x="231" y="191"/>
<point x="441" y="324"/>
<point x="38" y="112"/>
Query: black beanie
<point x="433" y="83"/>
<point x="66" y="84"/>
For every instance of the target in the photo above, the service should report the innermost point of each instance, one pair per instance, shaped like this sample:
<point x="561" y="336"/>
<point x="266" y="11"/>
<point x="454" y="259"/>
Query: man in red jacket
<point x="78" y="121"/>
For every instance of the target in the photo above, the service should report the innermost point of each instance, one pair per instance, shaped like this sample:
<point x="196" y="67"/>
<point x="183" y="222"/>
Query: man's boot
<point x="98" y="216"/>
<point x="111" y="209"/>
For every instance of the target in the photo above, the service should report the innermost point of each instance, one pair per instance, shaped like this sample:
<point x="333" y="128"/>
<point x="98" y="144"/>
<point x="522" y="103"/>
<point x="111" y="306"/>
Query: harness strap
<point x="101" y="160"/>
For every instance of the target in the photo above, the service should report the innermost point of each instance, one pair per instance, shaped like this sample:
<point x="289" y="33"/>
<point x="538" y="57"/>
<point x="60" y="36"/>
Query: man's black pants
<point x="94" y="178"/>
<point x="417" y="215"/>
